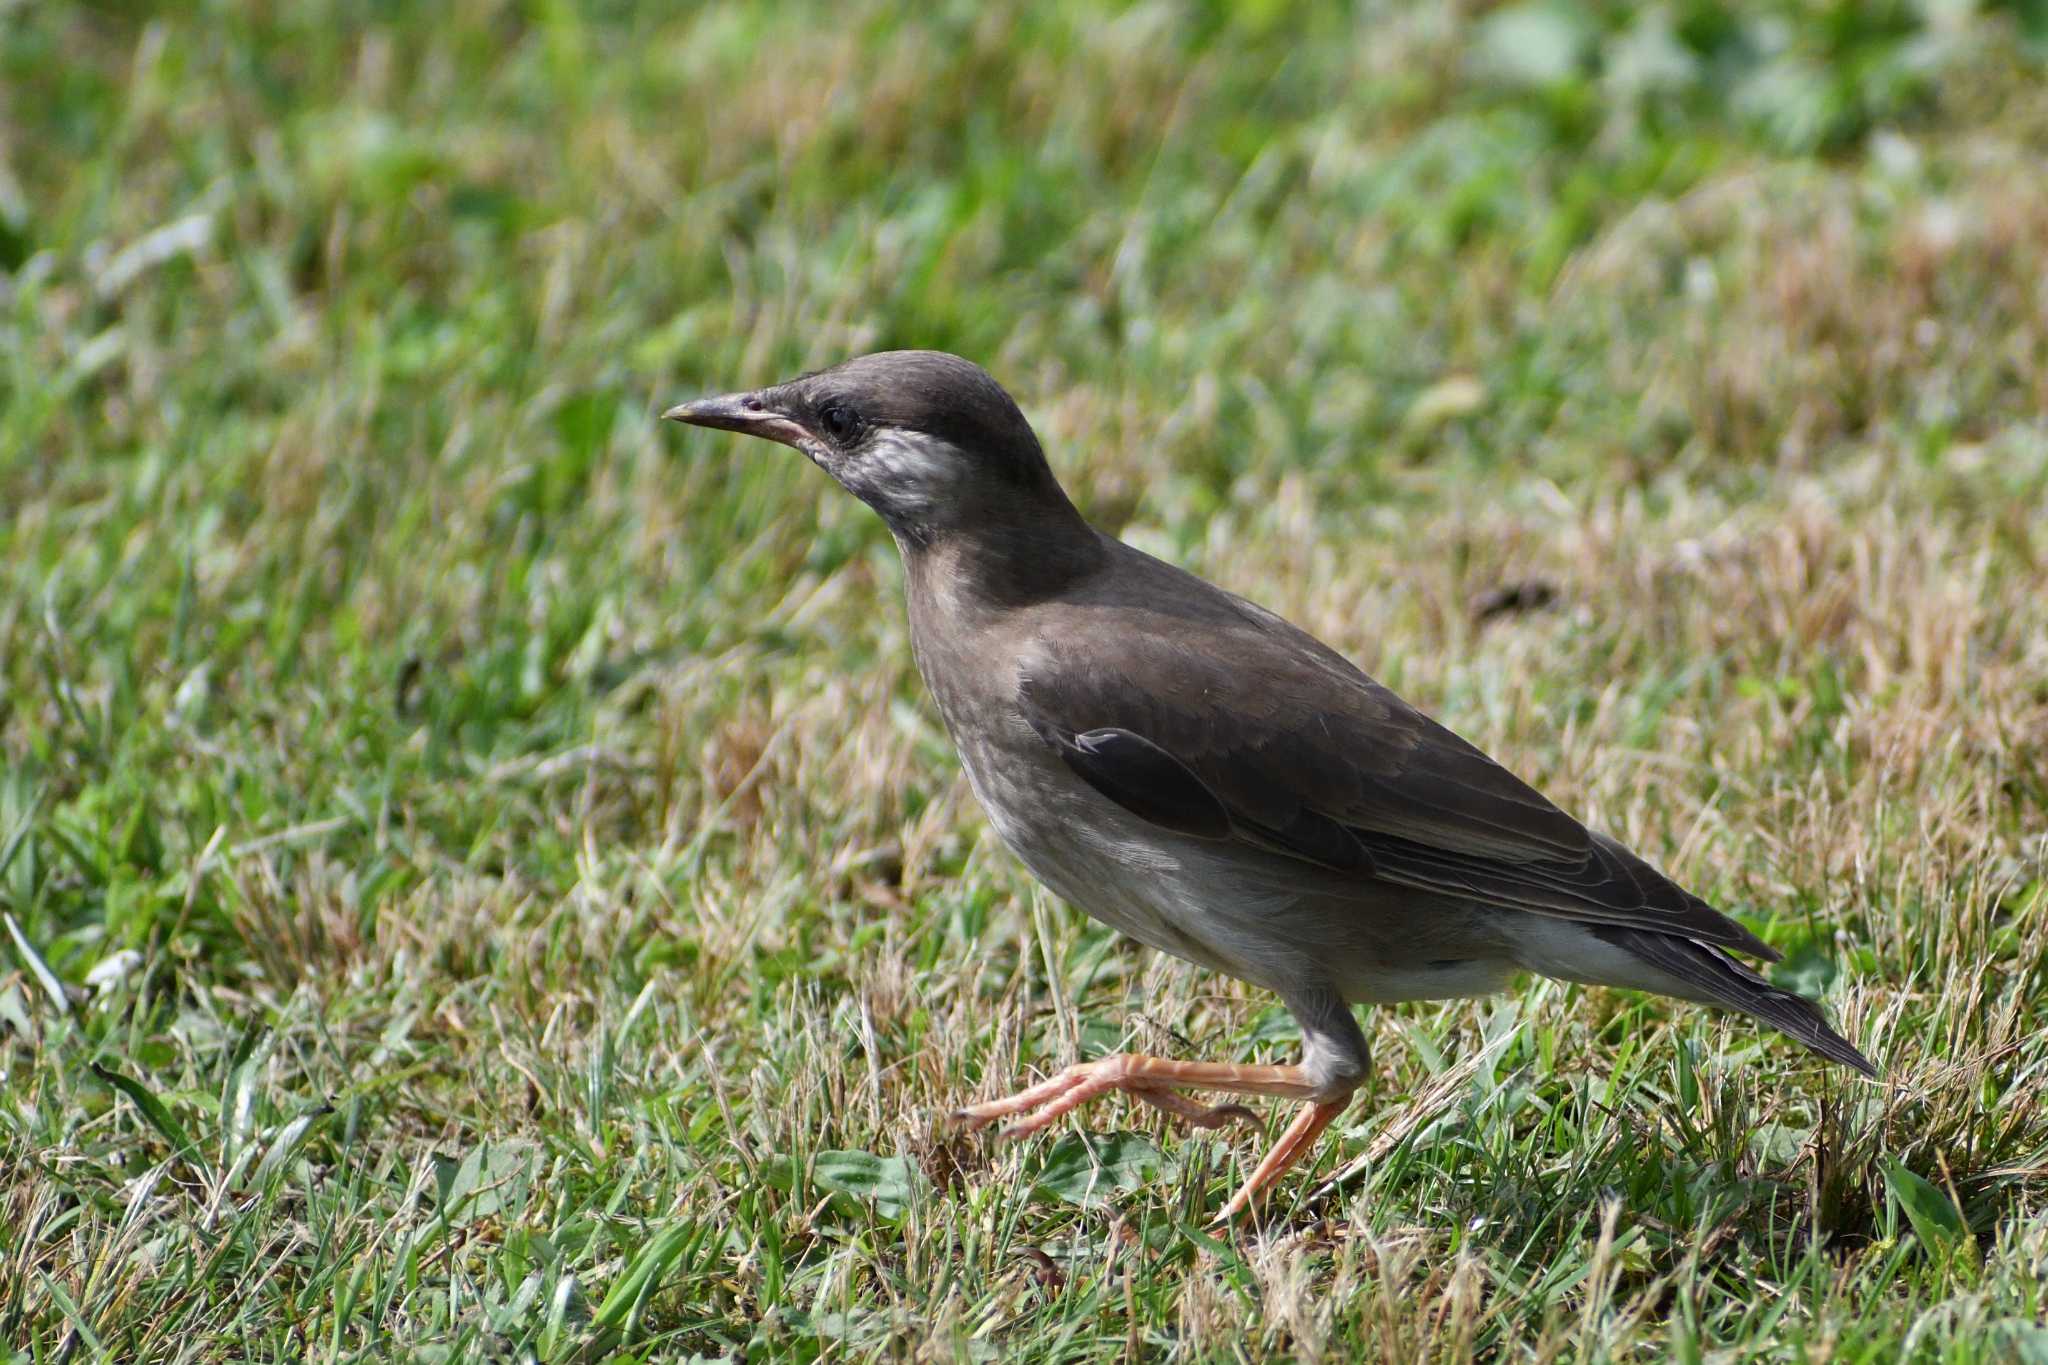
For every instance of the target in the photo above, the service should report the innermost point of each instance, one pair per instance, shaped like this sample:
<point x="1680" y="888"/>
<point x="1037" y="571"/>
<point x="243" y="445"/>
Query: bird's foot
<point x="1150" y="1079"/>
<point x="1153" y="1081"/>
<point x="1043" y="1104"/>
<point x="1193" y="1113"/>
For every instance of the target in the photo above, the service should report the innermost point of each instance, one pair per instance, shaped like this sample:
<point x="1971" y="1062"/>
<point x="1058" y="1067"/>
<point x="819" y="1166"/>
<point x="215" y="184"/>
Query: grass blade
<point x="153" y="1110"/>
<point x="621" y="1306"/>
<point x="38" y="968"/>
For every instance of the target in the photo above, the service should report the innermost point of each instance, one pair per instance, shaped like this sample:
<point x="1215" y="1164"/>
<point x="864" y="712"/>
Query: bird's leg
<point x="1151" y="1079"/>
<point x="1145" y="1076"/>
<point x="1294" y="1144"/>
<point x="1333" y="1066"/>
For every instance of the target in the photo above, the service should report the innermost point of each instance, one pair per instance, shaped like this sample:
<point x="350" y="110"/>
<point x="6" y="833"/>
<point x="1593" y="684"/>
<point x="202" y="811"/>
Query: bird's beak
<point x="755" y="414"/>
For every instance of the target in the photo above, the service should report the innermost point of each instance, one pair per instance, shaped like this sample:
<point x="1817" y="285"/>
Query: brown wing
<point x="1249" y="729"/>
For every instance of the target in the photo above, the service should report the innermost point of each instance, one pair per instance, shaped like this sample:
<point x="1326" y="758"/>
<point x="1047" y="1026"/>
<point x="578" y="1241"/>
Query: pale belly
<point x="1268" y="920"/>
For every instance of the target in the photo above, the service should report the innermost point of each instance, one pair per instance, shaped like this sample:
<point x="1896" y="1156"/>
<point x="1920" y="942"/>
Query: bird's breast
<point x="1266" y="919"/>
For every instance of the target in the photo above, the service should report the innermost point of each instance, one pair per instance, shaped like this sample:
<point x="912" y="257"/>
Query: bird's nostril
<point x="753" y="405"/>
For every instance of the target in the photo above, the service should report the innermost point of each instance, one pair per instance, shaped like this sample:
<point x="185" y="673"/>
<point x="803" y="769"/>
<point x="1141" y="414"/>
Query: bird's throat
<point x="1005" y="564"/>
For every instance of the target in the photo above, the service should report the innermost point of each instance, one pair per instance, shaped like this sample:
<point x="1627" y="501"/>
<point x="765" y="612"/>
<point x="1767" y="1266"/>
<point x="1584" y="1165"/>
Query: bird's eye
<point x="840" y="422"/>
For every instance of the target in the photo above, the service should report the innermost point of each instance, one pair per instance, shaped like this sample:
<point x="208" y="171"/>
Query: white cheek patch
<point x="912" y="467"/>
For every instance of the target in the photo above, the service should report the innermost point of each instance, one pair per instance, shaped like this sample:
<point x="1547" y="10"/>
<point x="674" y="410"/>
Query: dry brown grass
<point x="554" y="798"/>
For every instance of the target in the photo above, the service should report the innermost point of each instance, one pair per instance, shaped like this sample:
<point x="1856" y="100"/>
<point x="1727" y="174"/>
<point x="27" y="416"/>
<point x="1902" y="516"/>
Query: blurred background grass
<point x="441" y="804"/>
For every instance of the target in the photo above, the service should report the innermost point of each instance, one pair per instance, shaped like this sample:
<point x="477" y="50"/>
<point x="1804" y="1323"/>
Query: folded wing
<point x="1267" y="737"/>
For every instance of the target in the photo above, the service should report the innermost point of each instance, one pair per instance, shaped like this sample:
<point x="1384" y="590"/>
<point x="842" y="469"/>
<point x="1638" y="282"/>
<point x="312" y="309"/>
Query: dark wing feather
<point x="1714" y="976"/>
<point x="1245" y="727"/>
<point x="1144" y="779"/>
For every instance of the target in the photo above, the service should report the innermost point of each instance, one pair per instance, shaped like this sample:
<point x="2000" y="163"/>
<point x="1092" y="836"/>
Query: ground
<point x="481" y="876"/>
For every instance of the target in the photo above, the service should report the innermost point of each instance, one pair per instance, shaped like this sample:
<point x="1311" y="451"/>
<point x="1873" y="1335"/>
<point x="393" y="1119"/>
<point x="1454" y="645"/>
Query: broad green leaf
<point x="1088" y="1168"/>
<point x="2027" y="1341"/>
<point x="1935" y="1219"/>
<point x="885" y="1181"/>
<point x="482" y="1182"/>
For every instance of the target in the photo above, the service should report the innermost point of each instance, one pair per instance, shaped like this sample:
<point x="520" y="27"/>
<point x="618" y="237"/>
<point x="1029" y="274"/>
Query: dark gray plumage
<point x="1206" y="777"/>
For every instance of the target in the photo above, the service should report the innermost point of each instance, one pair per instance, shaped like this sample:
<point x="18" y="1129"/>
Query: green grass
<point x="482" y="879"/>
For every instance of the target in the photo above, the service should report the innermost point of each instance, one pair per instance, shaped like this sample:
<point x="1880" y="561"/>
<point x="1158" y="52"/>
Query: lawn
<point x="482" y="879"/>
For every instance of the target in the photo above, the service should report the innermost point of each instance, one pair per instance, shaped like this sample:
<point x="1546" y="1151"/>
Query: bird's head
<point x="927" y="439"/>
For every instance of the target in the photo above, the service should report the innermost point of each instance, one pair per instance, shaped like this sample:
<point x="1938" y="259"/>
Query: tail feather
<point x="1720" y="979"/>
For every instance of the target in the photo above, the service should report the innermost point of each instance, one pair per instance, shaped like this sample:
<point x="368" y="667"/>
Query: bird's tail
<point x="1716" y="978"/>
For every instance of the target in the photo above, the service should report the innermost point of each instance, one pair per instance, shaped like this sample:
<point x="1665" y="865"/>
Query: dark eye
<point x="840" y="422"/>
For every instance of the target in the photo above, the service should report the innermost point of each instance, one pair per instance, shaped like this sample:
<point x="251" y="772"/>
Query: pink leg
<point x="1151" y="1080"/>
<point x="1048" y="1100"/>
<point x="1293" y="1145"/>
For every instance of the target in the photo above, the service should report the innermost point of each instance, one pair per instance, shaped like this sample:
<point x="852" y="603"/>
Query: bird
<point x="1216" y="783"/>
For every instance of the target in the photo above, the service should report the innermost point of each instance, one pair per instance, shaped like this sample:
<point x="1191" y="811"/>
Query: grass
<point x="481" y="878"/>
